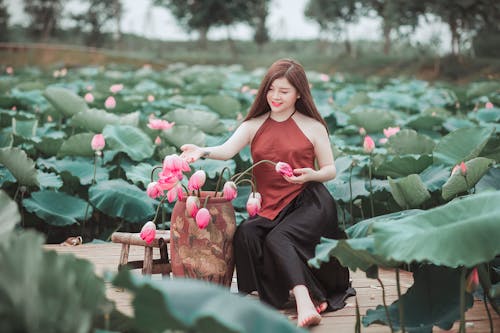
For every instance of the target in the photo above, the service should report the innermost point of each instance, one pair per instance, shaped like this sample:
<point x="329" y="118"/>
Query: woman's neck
<point x="281" y="116"/>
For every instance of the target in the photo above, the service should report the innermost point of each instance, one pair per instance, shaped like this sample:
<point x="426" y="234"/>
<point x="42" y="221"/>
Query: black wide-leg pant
<point x="271" y="255"/>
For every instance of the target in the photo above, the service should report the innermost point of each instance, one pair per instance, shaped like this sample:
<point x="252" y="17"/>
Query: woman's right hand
<point x="191" y="152"/>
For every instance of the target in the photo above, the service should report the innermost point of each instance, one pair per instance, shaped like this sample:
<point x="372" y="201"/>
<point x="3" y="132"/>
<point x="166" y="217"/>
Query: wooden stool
<point x="149" y="265"/>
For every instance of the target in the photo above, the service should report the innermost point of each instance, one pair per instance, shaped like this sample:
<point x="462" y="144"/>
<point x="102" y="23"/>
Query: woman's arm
<point x="239" y="139"/>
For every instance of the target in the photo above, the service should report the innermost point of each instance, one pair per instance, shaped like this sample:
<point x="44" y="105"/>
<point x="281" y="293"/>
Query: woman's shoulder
<point x="255" y="122"/>
<point x="308" y="122"/>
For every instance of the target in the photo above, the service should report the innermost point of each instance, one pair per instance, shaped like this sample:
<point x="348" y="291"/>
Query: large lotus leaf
<point x="24" y="128"/>
<point x="478" y="89"/>
<point x="226" y="106"/>
<point x="432" y="300"/>
<point x="77" y="145"/>
<point x="182" y="134"/>
<point x="95" y="120"/>
<point x="214" y="167"/>
<point x="130" y="140"/>
<point x="9" y="213"/>
<point x="463" y="232"/>
<point x="487" y="115"/>
<point x="49" y="180"/>
<point x="372" y="120"/>
<point x="207" y="121"/>
<point x="117" y="198"/>
<point x="490" y="181"/>
<point x="57" y="208"/>
<point x="408" y="141"/>
<point x="341" y="189"/>
<point x="438" y="97"/>
<point x="364" y="228"/>
<point x="401" y="166"/>
<point x="435" y="176"/>
<point x="353" y="253"/>
<point x="43" y="291"/>
<point x="409" y="192"/>
<point x="424" y="122"/>
<point x="65" y="101"/>
<point x="195" y="306"/>
<point x="393" y="100"/>
<point x="6" y="140"/>
<point x="492" y="149"/>
<point x="457" y="183"/>
<point x="140" y="173"/>
<point x="49" y="146"/>
<point x="461" y="145"/>
<point x="82" y="168"/>
<point x="20" y="165"/>
<point x="453" y="123"/>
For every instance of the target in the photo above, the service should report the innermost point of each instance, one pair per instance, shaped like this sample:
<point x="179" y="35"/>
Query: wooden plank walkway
<point x="106" y="257"/>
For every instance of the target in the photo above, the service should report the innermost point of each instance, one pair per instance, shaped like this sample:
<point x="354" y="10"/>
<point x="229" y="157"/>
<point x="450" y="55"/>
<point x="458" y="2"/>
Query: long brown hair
<point x="295" y="74"/>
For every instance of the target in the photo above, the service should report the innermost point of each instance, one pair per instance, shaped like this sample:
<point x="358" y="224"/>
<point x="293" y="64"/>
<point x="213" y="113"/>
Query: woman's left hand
<point x="301" y="176"/>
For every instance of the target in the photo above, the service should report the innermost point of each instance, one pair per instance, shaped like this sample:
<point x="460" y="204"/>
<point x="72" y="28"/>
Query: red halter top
<point x="279" y="142"/>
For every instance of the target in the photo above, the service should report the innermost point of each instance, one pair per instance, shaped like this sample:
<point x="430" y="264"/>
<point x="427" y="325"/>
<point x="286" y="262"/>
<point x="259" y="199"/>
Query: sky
<point x="286" y="21"/>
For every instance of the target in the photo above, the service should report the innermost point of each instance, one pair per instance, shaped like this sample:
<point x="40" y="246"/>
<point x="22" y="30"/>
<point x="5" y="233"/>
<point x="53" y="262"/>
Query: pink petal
<point x="230" y="191"/>
<point x="253" y="206"/>
<point x="110" y="102"/>
<point x="148" y="232"/>
<point x="284" y="169"/>
<point x="368" y="145"/>
<point x="98" y="142"/>
<point x="197" y="180"/>
<point x="202" y="218"/>
<point x="192" y="205"/>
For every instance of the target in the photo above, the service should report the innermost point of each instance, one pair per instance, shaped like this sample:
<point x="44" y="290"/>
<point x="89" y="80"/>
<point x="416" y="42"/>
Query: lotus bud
<point x="192" y="205"/>
<point x="197" y="180"/>
<point x="148" y="232"/>
<point x="98" y="142"/>
<point x="284" y="169"/>
<point x="202" y="218"/>
<point x="368" y="145"/>
<point x="230" y="191"/>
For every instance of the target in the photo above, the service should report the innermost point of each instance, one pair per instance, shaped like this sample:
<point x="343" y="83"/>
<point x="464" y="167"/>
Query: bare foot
<point x="321" y="307"/>
<point x="309" y="318"/>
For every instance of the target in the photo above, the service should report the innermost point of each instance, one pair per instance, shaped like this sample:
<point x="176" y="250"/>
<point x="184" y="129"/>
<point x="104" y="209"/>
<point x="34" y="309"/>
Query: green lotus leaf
<point x="409" y="192"/>
<point x="435" y="176"/>
<point x="492" y="149"/>
<point x="6" y="140"/>
<point x="24" y="128"/>
<point x="9" y="213"/>
<point x="424" y="122"/>
<point x="341" y="190"/>
<point x="408" y="141"/>
<point x="140" y="173"/>
<point x="195" y="306"/>
<point x="49" y="180"/>
<point x="490" y="181"/>
<point x="463" y="232"/>
<point x="95" y="120"/>
<point x="478" y="89"/>
<point x="393" y="100"/>
<point x="487" y="115"/>
<point x="401" y="166"/>
<point x="457" y="183"/>
<point x="213" y="168"/>
<point x="57" y="208"/>
<point x="372" y="120"/>
<point x="452" y="124"/>
<point x="226" y="106"/>
<point x="117" y="198"/>
<point x="77" y="145"/>
<point x="182" y="134"/>
<point x="43" y="291"/>
<point x="432" y="300"/>
<point x="438" y="97"/>
<point x="49" y="146"/>
<point x="130" y="140"/>
<point x="82" y="168"/>
<point x="207" y="121"/>
<point x="356" y="253"/>
<point x="65" y="101"/>
<point x="461" y="145"/>
<point x="20" y="165"/>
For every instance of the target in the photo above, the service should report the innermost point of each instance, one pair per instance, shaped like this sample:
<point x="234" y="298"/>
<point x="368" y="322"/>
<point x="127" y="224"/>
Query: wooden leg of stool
<point x="124" y="256"/>
<point x="148" y="261"/>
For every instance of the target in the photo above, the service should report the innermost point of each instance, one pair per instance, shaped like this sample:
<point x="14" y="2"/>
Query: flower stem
<point x="152" y="171"/>
<point x="247" y="181"/>
<point x="219" y="180"/>
<point x="400" y="303"/>
<point x="250" y="168"/>
<point x="88" y="202"/>
<point x="389" y="321"/>
<point x="159" y="207"/>
<point x="462" y="299"/>
<point x="371" y="189"/>
<point x="350" y="194"/>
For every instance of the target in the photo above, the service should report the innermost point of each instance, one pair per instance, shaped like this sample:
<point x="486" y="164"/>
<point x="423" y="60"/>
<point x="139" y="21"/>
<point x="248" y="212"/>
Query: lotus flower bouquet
<point x="171" y="186"/>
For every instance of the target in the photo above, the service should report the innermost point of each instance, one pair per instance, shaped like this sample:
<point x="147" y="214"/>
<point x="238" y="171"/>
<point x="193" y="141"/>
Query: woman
<point x="272" y="248"/>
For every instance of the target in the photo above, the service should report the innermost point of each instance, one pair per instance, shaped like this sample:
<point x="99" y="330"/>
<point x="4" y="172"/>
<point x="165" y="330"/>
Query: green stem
<point x="17" y="191"/>
<point x="485" y="300"/>
<point x="219" y="180"/>
<point x="389" y="321"/>
<point x="117" y="228"/>
<point x="159" y="207"/>
<point x="400" y="303"/>
<point x="206" y="201"/>
<point x="371" y="189"/>
<point x="88" y="202"/>
<point x="247" y="181"/>
<point x="152" y="171"/>
<point x="250" y="168"/>
<point x="462" y="299"/>
<point x="350" y="196"/>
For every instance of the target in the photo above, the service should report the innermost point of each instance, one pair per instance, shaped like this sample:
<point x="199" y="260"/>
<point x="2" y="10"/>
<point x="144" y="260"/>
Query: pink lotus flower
<point x="174" y="163"/>
<point x="382" y="141"/>
<point x="158" y="141"/>
<point x="159" y="124"/>
<point x="472" y="281"/>
<point x="390" y="131"/>
<point x="368" y="145"/>
<point x="253" y="205"/>
<point x="89" y="98"/>
<point x="151" y="98"/>
<point x="324" y="77"/>
<point x="192" y="205"/>
<point x="167" y="181"/>
<point x="9" y="70"/>
<point x="284" y="169"/>
<point x="49" y="118"/>
<point x="148" y="232"/>
<point x="489" y="105"/>
<point x="362" y="131"/>
<point x="245" y="89"/>
<point x="230" y="191"/>
<point x="463" y="169"/>
<point x="116" y="88"/>
<point x="98" y="142"/>
<point x="110" y="102"/>
<point x="197" y="180"/>
<point x="202" y="218"/>
<point x="154" y="190"/>
<point x="175" y="192"/>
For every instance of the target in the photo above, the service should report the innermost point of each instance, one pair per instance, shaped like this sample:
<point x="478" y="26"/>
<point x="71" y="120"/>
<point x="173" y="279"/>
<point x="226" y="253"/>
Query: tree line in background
<point x="466" y="19"/>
